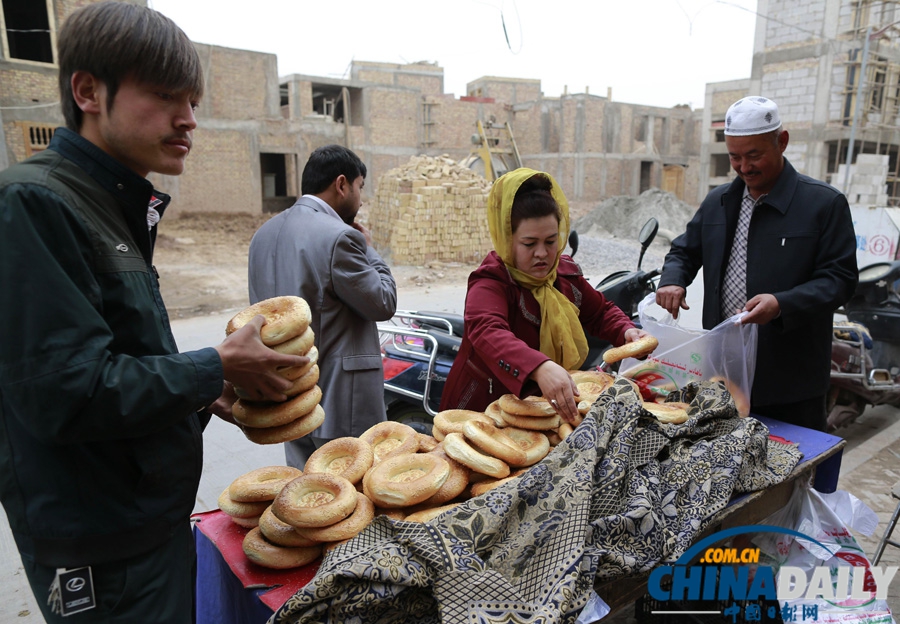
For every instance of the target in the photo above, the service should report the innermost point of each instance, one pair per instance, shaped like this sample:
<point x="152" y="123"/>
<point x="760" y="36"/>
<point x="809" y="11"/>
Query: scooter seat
<point x="447" y="346"/>
<point x="456" y="322"/>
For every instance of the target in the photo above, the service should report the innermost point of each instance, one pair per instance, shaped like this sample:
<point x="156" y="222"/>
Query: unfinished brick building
<point x="256" y="129"/>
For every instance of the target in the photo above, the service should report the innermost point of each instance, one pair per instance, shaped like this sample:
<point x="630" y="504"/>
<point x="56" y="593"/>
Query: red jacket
<point x="501" y="343"/>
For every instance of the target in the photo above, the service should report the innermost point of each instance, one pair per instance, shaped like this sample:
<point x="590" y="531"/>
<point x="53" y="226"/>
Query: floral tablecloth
<point x="620" y="495"/>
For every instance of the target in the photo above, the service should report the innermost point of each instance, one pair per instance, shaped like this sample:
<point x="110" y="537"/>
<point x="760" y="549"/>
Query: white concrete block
<point x="880" y="159"/>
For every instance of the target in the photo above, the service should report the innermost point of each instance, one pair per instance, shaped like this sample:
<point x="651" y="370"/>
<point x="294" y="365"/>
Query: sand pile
<point x="623" y="216"/>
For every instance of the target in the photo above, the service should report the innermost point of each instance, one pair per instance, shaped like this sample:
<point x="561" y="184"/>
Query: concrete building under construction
<point x="833" y="67"/>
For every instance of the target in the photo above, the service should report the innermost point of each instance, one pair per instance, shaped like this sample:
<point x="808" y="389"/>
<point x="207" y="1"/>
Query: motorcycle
<point x="865" y="349"/>
<point x="419" y="347"/>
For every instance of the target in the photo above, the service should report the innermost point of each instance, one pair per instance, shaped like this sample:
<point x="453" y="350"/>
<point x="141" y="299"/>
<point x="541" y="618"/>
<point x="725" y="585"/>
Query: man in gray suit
<point x="315" y="250"/>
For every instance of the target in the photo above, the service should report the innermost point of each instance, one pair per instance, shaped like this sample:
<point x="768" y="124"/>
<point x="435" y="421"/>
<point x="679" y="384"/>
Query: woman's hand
<point x="558" y="387"/>
<point x="634" y="334"/>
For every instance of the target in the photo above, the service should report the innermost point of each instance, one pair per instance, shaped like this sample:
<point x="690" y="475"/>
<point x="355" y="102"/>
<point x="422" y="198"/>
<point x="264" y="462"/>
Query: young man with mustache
<point x="101" y="418"/>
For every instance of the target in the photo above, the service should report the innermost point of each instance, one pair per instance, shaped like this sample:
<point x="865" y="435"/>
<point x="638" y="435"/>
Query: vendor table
<point x="232" y="590"/>
<point x="821" y="462"/>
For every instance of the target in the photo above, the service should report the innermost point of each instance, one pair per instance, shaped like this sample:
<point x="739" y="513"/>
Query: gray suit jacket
<point x="308" y="251"/>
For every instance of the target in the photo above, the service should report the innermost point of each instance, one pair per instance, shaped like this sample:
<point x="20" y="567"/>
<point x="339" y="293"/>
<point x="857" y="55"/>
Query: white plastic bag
<point x="826" y="545"/>
<point x="687" y="355"/>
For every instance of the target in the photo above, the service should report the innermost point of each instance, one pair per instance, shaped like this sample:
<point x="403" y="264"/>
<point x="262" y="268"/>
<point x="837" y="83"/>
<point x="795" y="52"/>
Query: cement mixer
<point x="495" y="150"/>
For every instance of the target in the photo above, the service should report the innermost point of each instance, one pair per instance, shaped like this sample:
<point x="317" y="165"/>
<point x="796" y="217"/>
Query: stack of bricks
<point x="868" y="180"/>
<point x="431" y="210"/>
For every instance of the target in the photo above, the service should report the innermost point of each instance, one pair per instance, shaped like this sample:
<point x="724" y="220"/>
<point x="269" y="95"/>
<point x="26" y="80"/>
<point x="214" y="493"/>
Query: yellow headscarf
<point x="562" y="336"/>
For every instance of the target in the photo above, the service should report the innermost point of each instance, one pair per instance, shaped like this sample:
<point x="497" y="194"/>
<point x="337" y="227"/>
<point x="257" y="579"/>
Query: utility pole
<point x="859" y="88"/>
<point x="859" y="95"/>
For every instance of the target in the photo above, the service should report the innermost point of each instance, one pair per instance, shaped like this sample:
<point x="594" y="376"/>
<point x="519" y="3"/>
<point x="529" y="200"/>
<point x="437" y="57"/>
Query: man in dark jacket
<point x="779" y="245"/>
<point x="101" y="418"/>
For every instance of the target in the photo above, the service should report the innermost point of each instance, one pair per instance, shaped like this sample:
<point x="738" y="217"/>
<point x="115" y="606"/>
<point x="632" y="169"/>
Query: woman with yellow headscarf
<point x="528" y="306"/>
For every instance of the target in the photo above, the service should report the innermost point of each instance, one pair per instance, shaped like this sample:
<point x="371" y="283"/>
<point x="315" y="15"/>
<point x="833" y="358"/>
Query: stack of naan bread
<point x="287" y="331"/>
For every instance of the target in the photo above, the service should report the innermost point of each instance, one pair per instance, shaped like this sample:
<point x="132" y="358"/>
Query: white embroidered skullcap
<point x="752" y="115"/>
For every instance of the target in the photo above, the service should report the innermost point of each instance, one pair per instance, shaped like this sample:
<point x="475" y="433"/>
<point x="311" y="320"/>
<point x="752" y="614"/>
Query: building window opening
<point x="279" y="184"/>
<point x="879" y="77"/>
<point x="39" y="136"/>
<point x="640" y="129"/>
<point x="646" y="170"/>
<point x="718" y="128"/>
<point x="27" y="30"/>
<point x="284" y="100"/>
<point x="720" y="165"/>
<point x="850" y="87"/>
<point x="274" y="175"/>
<point x="328" y="101"/>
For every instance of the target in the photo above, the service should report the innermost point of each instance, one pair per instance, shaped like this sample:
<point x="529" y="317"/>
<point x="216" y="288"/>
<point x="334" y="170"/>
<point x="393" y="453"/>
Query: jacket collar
<point x="320" y="205"/>
<point x="780" y="195"/>
<point x="120" y="181"/>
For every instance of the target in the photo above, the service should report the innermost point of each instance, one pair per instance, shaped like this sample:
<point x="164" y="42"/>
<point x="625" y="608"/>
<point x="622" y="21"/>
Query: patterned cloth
<point x="620" y="495"/>
<point x="734" y="286"/>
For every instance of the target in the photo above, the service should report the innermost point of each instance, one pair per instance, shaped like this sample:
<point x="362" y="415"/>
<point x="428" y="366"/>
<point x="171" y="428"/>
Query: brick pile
<point x="868" y="180"/>
<point x="431" y="210"/>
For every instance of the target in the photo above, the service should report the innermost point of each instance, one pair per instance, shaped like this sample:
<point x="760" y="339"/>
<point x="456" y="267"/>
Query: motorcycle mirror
<point x="878" y="282"/>
<point x="875" y="272"/>
<point x="573" y="242"/>
<point x="646" y="236"/>
<point x="648" y="232"/>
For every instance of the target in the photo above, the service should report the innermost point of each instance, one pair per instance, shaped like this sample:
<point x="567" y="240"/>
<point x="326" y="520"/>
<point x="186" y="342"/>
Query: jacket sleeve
<point x="362" y="280"/>
<point x="62" y="373"/>
<point x="488" y="327"/>
<point x="600" y="317"/>
<point x="685" y="256"/>
<point x="834" y="273"/>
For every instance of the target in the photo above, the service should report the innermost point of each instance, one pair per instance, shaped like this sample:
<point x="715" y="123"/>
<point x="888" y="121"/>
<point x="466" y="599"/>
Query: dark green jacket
<point x="100" y="439"/>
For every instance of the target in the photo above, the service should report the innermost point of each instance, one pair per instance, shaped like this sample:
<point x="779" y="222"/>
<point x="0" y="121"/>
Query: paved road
<point x="870" y="465"/>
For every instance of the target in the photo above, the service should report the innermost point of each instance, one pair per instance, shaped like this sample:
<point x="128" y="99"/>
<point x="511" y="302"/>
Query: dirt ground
<point x="202" y="263"/>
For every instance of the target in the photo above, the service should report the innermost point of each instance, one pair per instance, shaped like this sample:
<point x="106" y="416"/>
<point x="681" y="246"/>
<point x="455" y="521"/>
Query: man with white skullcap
<point x="779" y="245"/>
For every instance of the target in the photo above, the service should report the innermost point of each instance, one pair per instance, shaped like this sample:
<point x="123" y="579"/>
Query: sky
<point x="654" y="52"/>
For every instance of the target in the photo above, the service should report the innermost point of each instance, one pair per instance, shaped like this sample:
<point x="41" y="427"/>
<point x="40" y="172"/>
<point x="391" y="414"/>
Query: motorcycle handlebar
<point x="642" y="279"/>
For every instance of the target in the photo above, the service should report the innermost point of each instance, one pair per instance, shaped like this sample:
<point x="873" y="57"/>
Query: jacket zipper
<point x="490" y="380"/>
